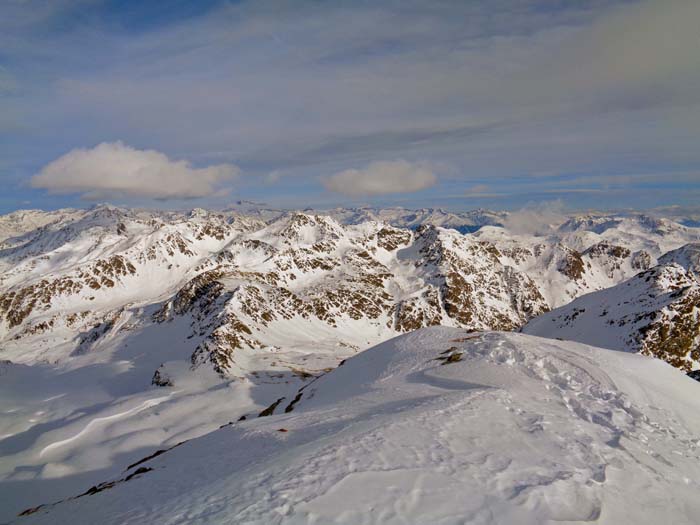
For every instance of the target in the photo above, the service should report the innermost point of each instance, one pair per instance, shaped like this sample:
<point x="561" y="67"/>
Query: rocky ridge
<point x="656" y="312"/>
<point x="243" y="285"/>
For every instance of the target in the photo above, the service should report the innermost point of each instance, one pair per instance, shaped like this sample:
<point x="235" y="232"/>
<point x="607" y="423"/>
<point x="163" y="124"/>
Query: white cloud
<point x="115" y="169"/>
<point x="380" y="178"/>
<point x="536" y="218"/>
<point x="481" y="191"/>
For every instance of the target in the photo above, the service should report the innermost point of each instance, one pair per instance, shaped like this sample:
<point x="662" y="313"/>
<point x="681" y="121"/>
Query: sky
<point x="451" y="104"/>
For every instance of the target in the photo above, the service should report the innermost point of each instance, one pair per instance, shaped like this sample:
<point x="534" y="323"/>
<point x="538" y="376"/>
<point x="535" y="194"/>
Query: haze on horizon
<point x="449" y="104"/>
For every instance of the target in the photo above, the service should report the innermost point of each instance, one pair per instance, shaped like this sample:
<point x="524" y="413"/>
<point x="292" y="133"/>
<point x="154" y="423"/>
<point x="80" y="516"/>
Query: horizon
<point x="447" y="105"/>
<point x="552" y="211"/>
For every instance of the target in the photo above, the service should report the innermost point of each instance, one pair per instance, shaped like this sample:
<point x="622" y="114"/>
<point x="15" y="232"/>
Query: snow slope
<point x="656" y="312"/>
<point x="437" y="426"/>
<point x="24" y="221"/>
<point x="131" y="330"/>
<point x="588" y="252"/>
<point x="64" y="427"/>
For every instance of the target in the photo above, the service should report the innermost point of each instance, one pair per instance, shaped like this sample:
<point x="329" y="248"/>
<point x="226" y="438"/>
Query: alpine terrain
<point x="347" y="366"/>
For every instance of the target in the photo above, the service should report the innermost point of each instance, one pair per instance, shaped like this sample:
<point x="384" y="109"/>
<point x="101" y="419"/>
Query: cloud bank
<point x="501" y="91"/>
<point x="115" y="169"/>
<point x="381" y="178"/>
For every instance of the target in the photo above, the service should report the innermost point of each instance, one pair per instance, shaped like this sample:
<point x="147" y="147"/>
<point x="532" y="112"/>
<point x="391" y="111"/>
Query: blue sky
<point x="451" y="104"/>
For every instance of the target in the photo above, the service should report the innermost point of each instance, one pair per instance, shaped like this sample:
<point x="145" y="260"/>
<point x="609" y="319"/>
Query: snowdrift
<point x="438" y="426"/>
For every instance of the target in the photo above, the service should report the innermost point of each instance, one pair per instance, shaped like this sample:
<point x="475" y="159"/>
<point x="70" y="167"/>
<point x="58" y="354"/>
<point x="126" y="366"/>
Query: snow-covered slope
<point x="21" y="222"/>
<point x="437" y="426"/>
<point x="588" y="253"/>
<point x="463" y="222"/>
<point x="130" y="330"/>
<point x="687" y="256"/>
<point x="654" y="235"/>
<point x="657" y="313"/>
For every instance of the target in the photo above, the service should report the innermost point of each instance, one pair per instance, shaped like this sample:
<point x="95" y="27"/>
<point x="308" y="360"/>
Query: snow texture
<point x="438" y="426"/>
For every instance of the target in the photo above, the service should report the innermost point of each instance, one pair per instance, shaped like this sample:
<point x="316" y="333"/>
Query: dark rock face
<point x="572" y="265"/>
<point x="641" y="260"/>
<point x="160" y="378"/>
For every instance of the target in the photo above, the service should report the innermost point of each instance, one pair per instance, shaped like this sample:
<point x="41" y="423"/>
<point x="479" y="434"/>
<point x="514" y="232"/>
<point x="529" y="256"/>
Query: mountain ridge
<point x="128" y="319"/>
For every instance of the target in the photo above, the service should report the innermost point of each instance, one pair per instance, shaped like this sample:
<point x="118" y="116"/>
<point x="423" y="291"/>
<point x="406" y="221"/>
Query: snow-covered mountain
<point x="655" y="235"/>
<point x="127" y="331"/>
<point x="76" y="281"/>
<point x="84" y="277"/>
<point x="656" y="312"/>
<point x="464" y="222"/>
<point x="438" y="426"/>
<point x="21" y="222"/>
<point x="589" y="252"/>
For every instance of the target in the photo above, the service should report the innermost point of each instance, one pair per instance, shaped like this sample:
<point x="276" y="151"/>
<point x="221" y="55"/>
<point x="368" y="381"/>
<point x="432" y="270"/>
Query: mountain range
<point x="126" y="331"/>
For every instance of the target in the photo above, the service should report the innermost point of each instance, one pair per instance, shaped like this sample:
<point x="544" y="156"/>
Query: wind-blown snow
<point x="438" y="426"/>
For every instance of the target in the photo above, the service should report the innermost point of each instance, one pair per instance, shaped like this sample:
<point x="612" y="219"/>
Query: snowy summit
<point x="437" y="426"/>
